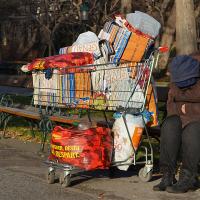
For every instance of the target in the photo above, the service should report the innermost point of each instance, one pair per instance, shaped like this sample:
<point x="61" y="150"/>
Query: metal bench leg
<point x="80" y="112"/>
<point x="6" y="120"/>
<point x="1" y="119"/>
<point x="43" y="141"/>
<point x="89" y="115"/>
<point x="46" y="128"/>
<point x="3" y="116"/>
<point x="31" y="124"/>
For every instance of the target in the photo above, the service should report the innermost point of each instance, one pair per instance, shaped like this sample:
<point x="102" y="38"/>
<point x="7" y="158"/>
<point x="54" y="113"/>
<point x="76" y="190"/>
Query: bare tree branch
<point x="161" y="15"/>
<point x="197" y="11"/>
<point x="168" y="37"/>
<point x="94" y="5"/>
<point x="77" y="6"/>
<point x="126" y="6"/>
<point x="25" y="49"/>
<point x="113" y="5"/>
<point x="165" y="4"/>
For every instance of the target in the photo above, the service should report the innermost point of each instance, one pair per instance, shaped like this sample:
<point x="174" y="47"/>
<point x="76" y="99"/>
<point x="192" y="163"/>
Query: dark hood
<point x="183" y="68"/>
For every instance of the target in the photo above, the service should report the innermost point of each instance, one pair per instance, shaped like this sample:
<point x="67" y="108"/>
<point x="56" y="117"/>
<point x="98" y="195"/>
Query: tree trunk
<point x="126" y="6"/>
<point x="186" y="37"/>
<point x="167" y="38"/>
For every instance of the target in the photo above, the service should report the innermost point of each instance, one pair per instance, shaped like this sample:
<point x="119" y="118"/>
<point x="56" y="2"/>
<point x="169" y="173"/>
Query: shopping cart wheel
<point x="144" y="175"/>
<point x="65" y="180"/>
<point x="50" y="177"/>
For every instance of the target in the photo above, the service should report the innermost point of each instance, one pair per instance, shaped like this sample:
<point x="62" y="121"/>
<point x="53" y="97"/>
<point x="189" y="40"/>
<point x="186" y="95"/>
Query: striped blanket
<point x="117" y="36"/>
<point x="72" y="89"/>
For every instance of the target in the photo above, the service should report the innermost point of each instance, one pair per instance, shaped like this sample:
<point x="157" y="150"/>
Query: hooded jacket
<point x="183" y="68"/>
<point x="190" y="97"/>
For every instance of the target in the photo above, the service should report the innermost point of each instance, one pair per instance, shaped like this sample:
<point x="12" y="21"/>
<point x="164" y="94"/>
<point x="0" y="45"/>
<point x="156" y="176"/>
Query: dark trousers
<point x="176" y="140"/>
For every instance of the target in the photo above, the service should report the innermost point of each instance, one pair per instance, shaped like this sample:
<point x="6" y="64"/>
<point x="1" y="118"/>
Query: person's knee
<point x="172" y="122"/>
<point x="191" y="133"/>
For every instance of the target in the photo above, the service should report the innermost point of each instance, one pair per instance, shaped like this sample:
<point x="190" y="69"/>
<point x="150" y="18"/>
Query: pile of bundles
<point x="110" y="63"/>
<point x="100" y="72"/>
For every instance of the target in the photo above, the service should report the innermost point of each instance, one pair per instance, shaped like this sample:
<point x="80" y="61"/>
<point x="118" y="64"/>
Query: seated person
<point x="180" y="132"/>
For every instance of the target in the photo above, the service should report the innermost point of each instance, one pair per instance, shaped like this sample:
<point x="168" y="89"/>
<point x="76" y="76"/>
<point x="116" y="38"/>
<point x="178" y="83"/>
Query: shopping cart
<point x="110" y="87"/>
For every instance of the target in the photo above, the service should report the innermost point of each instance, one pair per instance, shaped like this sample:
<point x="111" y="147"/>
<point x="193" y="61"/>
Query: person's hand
<point x="183" y="109"/>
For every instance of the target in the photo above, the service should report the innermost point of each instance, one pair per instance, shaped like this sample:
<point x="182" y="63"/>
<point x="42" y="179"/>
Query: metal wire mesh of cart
<point x="107" y="86"/>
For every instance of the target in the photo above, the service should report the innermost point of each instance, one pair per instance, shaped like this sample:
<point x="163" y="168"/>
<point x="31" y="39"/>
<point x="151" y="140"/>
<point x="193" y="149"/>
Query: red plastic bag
<point x="87" y="149"/>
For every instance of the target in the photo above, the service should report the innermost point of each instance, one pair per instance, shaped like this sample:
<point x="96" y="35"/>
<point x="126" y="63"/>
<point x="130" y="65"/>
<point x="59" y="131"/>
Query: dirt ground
<point x="22" y="176"/>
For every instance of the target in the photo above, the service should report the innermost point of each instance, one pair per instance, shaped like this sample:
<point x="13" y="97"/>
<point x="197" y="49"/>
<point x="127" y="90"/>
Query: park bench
<point x="44" y="120"/>
<point x="32" y="115"/>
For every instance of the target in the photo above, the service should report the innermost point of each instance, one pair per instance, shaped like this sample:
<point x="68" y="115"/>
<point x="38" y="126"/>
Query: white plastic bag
<point x="119" y="98"/>
<point x="123" y="149"/>
<point x="144" y="22"/>
<point x="86" y="37"/>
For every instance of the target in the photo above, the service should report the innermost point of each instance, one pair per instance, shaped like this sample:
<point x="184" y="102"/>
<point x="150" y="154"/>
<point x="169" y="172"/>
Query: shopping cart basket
<point x="110" y="87"/>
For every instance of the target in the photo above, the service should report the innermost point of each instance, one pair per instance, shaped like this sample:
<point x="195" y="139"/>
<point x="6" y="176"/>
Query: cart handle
<point x="163" y="49"/>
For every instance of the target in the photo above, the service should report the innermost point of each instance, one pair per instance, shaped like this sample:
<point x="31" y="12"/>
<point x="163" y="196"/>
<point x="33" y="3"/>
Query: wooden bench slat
<point x="63" y="119"/>
<point x="20" y="112"/>
<point x="35" y="115"/>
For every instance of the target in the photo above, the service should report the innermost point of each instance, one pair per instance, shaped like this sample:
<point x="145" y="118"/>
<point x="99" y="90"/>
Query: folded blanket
<point x="151" y="105"/>
<point x="135" y="48"/>
<point x="60" y="61"/>
<point x="120" y="43"/>
<point x="46" y="92"/>
<point x="83" y="89"/>
<point x="92" y="47"/>
<point x="117" y="36"/>
<point x="109" y="31"/>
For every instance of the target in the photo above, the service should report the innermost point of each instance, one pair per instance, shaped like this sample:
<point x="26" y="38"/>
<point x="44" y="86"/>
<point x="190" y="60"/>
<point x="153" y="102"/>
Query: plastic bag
<point x="86" y="149"/>
<point x="123" y="149"/>
<point x="144" y="22"/>
<point x="86" y="37"/>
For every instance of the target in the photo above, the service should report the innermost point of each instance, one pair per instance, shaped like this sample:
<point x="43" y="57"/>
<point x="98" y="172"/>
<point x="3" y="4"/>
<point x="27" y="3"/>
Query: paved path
<point x="22" y="177"/>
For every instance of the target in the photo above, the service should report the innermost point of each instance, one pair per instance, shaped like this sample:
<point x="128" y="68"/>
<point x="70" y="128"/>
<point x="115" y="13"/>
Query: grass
<point x="19" y="128"/>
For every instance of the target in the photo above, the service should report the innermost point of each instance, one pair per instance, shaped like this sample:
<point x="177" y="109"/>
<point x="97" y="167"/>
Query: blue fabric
<point x="123" y="40"/>
<point x="48" y="73"/>
<point x="186" y="83"/>
<point x="72" y="86"/>
<point x="117" y="115"/>
<point x="147" y="115"/>
<point x="183" y="68"/>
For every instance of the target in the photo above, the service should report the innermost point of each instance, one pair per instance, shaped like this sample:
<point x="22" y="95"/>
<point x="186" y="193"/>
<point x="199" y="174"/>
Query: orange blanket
<point x="83" y="89"/>
<point x="135" y="48"/>
<point x="151" y="105"/>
